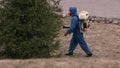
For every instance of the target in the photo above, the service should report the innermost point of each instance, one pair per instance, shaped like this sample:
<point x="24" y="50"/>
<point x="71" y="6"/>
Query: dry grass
<point x="68" y="62"/>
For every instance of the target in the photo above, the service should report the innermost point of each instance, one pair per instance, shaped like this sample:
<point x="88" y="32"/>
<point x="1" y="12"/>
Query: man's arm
<point x="73" y="25"/>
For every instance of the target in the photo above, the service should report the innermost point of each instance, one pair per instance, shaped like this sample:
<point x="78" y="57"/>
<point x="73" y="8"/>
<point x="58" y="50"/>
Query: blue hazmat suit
<point x="77" y="36"/>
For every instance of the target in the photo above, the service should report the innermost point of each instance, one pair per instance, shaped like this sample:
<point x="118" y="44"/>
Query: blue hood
<point x="73" y="11"/>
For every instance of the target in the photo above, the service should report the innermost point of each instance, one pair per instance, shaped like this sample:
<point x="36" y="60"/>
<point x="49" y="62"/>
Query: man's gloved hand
<point x="65" y="34"/>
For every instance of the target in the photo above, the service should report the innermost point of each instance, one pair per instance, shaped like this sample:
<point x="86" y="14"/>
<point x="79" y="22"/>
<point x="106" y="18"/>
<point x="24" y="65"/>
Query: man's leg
<point x="84" y="45"/>
<point x="73" y="44"/>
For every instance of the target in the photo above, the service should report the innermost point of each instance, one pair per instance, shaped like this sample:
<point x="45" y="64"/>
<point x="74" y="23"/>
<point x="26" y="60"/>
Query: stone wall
<point x="105" y="20"/>
<point x="100" y="20"/>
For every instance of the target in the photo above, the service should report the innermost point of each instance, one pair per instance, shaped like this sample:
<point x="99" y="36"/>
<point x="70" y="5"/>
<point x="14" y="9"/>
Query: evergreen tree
<point x="28" y="28"/>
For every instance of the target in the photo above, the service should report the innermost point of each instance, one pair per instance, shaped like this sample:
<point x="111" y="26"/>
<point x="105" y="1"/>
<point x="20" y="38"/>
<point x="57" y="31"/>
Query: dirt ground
<point x="103" y="40"/>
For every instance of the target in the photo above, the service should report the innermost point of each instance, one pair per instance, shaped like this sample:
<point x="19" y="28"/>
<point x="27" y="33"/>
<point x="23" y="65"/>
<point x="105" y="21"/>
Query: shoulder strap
<point x="77" y="17"/>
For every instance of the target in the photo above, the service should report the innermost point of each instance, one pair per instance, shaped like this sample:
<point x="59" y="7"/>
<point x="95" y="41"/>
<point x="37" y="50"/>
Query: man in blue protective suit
<point x="77" y="34"/>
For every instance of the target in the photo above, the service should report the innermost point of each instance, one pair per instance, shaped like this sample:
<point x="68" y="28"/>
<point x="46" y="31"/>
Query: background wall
<point x="103" y="8"/>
